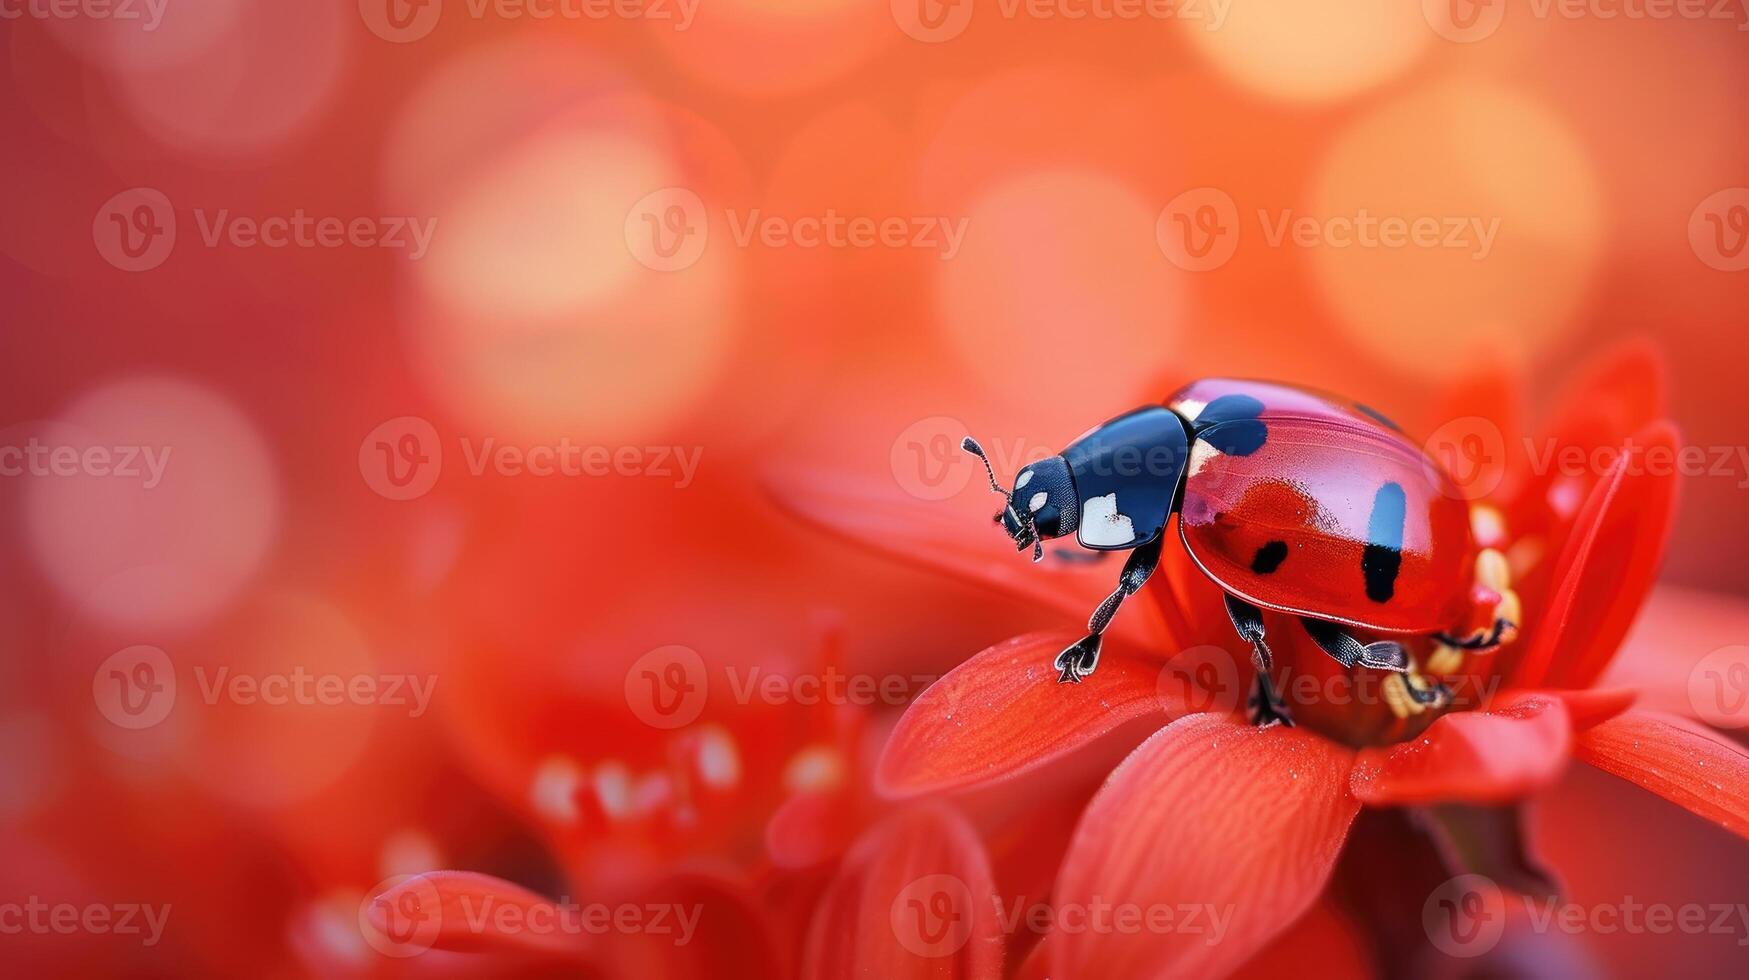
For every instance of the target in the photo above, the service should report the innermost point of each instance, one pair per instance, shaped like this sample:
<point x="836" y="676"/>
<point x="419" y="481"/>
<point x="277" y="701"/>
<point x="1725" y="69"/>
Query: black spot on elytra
<point x="1229" y="408"/>
<point x="1377" y="416"/>
<point x="1241" y="437"/>
<point x="1382" y="558"/>
<point x="1269" y="557"/>
<point x="1230" y="424"/>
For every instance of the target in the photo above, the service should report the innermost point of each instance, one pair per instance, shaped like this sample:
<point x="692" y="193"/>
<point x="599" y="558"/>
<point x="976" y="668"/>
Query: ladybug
<point x="1288" y="499"/>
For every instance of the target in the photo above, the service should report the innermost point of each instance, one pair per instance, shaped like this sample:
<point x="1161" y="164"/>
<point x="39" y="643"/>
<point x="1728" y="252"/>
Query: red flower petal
<point x="467" y="912"/>
<point x="914" y="898"/>
<point x="1324" y="937"/>
<point x="1606" y="568"/>
<point x="1617" y="393"/>
<point x="1683" y="762"/>
<point x="951" y="537"/>
<point x="810" y="829"/>
<point x="1516" y="747"/>
<point x="1003" y="713"/>
<point x="1243" y="823"/>
<point x="1589" y="708"/>
<point x="711" y="926"/>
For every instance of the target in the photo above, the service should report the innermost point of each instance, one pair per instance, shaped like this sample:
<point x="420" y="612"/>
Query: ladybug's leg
<point x="1382" y="655"/>
<point x="1348" y="651"/>
<point x="1079" y="660"/>
<point x="1265" y="705"/>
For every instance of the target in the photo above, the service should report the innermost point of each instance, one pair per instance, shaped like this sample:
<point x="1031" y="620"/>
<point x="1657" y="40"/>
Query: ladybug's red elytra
<point x="1288" y="499"/>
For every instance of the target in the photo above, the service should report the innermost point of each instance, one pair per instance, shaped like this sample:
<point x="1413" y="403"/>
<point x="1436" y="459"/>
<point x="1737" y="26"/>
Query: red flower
<point x="1256" y="820"/>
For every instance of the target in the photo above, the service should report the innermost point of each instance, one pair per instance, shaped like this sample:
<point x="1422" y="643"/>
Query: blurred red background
<point x="308" y="249"/>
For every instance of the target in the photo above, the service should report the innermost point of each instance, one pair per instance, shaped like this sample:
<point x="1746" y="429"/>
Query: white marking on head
<point x="1102" y="526"/>
<point x="1190" y="408"/>
<point x="1025" y="478"/>
<point x="1038" y="500"/>
<point x="1200" y="454"/>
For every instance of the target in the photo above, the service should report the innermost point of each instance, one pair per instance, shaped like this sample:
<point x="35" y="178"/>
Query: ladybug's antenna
<point x="970" y="445"/>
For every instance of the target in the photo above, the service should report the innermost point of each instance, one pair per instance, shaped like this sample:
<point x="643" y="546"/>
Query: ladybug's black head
<point x="1043" y="504"/>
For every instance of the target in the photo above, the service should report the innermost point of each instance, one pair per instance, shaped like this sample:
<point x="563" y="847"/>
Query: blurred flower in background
<point x="398" y="391"/>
